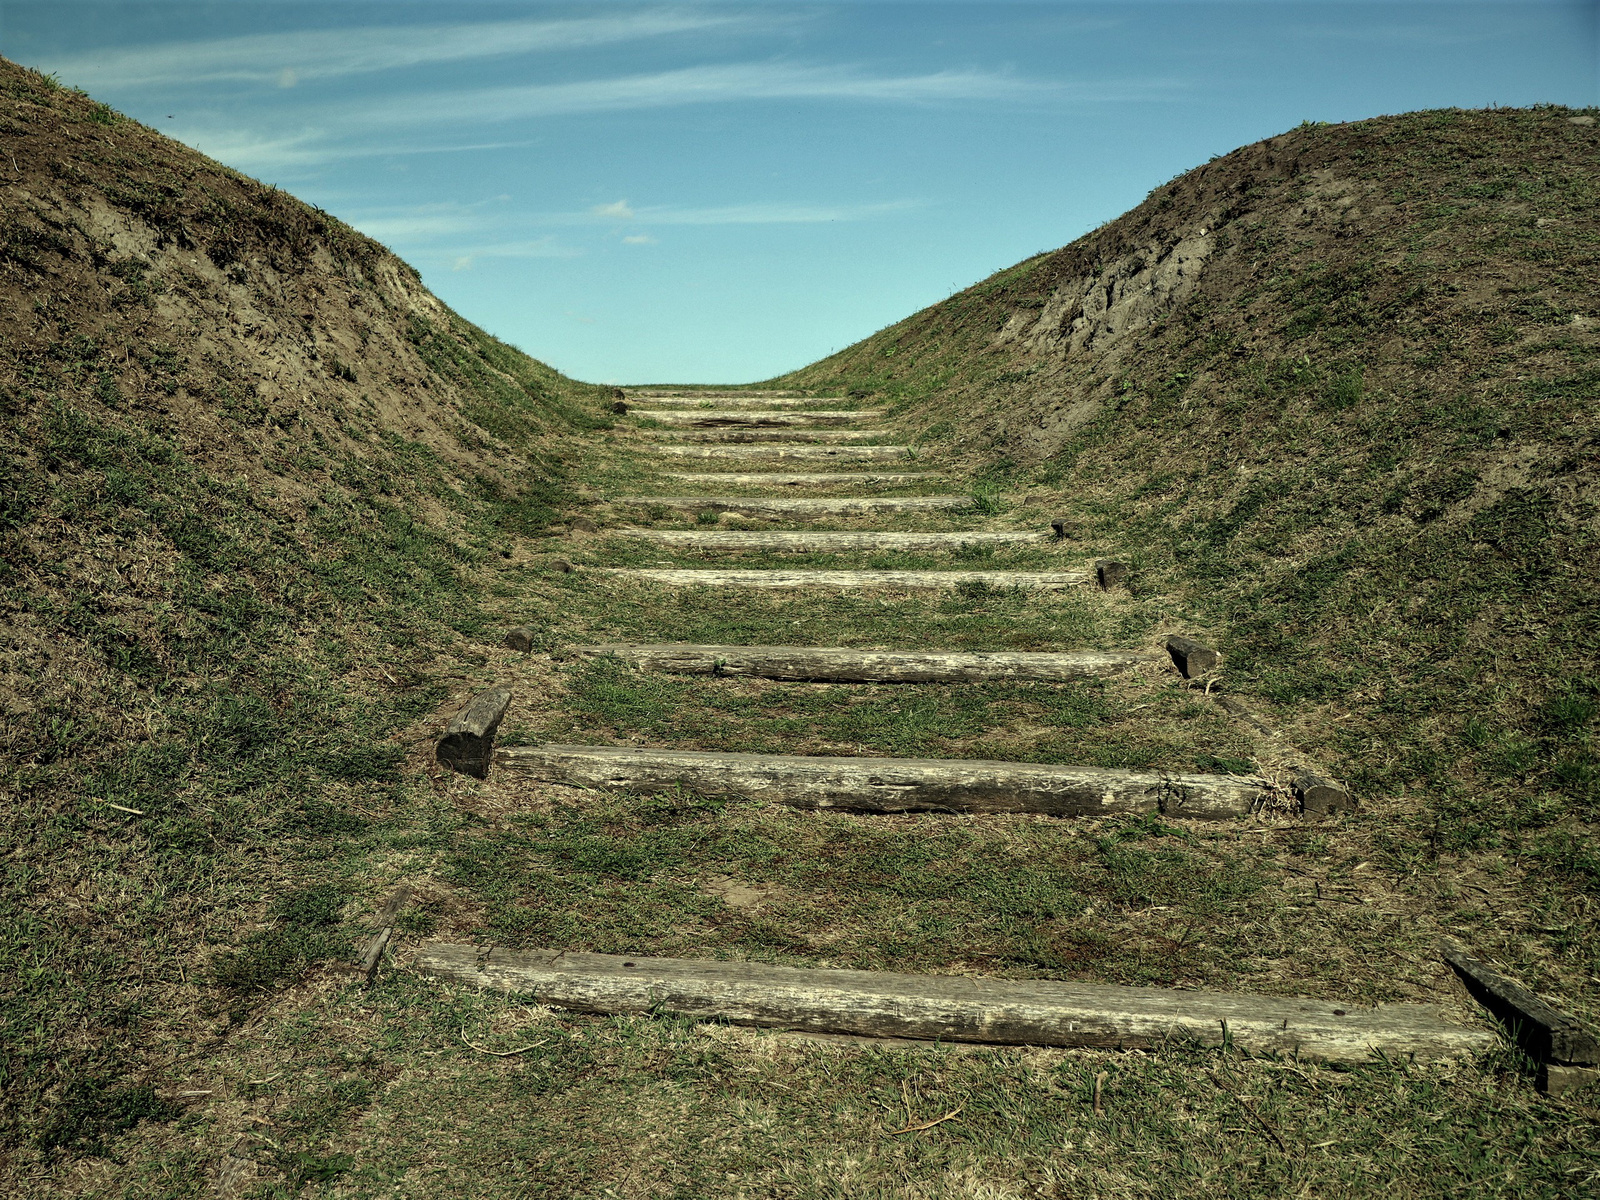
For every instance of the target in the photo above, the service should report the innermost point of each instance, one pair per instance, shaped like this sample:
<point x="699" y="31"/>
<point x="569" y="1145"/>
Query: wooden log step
<point x="767" y="435"/>
<point x="797" y="479"/>
<point x="891" y="785"/>
<point x="785" y="505"/>
<point x="911" y="580"/>
<point x="709" y="403"/>
<point x="713" y="394"/>
<point x="705" y="418"/>
<point x="808" y="453"/>
<point x="865" y="666"/>
<point x="952" y="1008"/>
<point x="828" y="539"/>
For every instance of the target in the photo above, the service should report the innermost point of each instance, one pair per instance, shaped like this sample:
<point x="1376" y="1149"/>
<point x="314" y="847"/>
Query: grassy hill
<point x="1336" y="396"/>
<point x="265" y="505"/>
<point x="251" y="473"/>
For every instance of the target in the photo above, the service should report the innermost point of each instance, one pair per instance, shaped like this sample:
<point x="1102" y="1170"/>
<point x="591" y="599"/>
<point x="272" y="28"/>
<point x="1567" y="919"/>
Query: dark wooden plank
<point x="469" y="738"/>
<point x="954" y="1008"/>
<point x="1191" y="657"/>
<point x="1109" y="572"/>
<point x="891" y="785"/>
<point x="1548" y="1034"/>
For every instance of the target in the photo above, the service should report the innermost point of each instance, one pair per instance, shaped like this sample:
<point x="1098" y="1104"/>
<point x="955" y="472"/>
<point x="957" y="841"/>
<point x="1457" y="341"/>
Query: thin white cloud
<point x="443" y="225"/>
<point x="284" y="59"/>
<point x="722" y="84"/>
<point x="770" y="214"/>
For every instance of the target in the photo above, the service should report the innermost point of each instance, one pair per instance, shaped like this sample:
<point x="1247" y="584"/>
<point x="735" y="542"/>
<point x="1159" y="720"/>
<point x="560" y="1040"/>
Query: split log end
<point x="1191" y="657"/>
<point x="468" y="740"/>
<point x="1110" y="573"/>
<point x="1320" y="796"/>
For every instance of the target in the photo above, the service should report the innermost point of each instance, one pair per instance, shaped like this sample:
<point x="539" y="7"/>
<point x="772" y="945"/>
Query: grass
<point x="229" y="661"/>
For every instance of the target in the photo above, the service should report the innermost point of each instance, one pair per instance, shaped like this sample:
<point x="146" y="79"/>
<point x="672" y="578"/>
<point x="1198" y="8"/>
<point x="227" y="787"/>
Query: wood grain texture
<point x="800" y="478"/>
<point x="805" y="453"/>
<point x="469" y="737"/>
<point x="702" y="418"/>
<point x="789" y="505"/>
<point x="766" y="435"/>
<point x="711" y="403"/>
<point x="891" y="785"/>
<point x="828" y="539"/>
<point x="712" y="394"/>
<point x="906" y="580"/>
<point x="954" y="1008"/>
<point x="864" y="666"/>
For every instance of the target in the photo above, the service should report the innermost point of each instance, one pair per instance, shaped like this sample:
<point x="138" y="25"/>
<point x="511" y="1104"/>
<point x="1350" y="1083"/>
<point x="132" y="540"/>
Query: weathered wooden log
<point x="713" y="393"/>
<point x="710" y="403"/>
<point x="1548" y="1034"/>
<point x="700" y="418"/>
<point x="891" y="785"/>
<point x="918" y="580"/>
<point x="865" y="666"/>
<point x="809" y="453"/>
<point x="368" y="963"/>
<point x="801" y="479"/>
<point x="1556" y="1080"/>
<point x="790" y="506"/>
<point x="1320" y="796"/>
<point x="468" y="740"/>
<point x="829" y="539"/>
<point x="766" y="435"/>
<point x="1110" y="573"/>
<point x="955" y="1008"/>
<point x="1191" y="657"/>
<point x="522" y="639"/>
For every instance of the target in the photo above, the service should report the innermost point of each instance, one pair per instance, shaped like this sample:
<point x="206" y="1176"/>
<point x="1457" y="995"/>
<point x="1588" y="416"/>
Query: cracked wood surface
<point x="875" y="453"/>
<point x="831" y="505"/>
<point x="865" y="666"/>
<point x="891" y="785"/>
<point x="955" y="1008"/>
<point x="706" y="418"/>
<point x="916" y="580"/>
<point x="767" y="435"/>
<point x="829" y="539"/>
<point x="800" y="478"/>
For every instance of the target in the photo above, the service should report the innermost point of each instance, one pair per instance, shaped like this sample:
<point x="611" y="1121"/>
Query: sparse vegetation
<point x="244" y="584"/>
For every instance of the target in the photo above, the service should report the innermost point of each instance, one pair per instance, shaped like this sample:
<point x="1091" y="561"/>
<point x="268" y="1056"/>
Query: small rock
<point x="584" y="525"/>
<point x="1584" y="120"/>
<point x="562" y="565"/>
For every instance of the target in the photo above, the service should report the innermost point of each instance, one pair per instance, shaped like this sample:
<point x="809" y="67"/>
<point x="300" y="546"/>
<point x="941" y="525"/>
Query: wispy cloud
<point x="638" y="239"/>
<point x="619" y="210"/>
<point x="770" y="214"/>
<point x="718" y="84"/>
<point x="285" y="59"/>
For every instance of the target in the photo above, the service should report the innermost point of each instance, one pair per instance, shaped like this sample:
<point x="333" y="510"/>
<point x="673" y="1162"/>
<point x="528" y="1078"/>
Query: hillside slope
<point x="1338" y="395"/>
<point x="249" y="470"/>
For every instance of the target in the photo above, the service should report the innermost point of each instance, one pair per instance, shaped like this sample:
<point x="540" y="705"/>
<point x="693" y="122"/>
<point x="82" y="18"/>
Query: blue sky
<point x="720" y="191"/>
